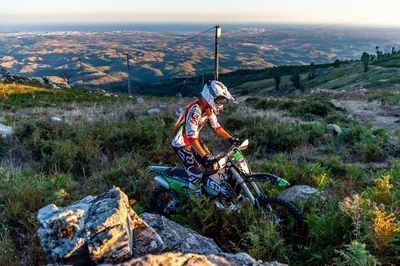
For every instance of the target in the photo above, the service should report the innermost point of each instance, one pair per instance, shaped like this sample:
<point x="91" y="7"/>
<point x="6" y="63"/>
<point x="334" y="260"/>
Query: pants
<point x="190" y="160"/>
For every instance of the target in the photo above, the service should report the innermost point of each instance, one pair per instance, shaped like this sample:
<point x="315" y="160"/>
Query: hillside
<point x="105" y="139"/>
<point x="159" y="52"/>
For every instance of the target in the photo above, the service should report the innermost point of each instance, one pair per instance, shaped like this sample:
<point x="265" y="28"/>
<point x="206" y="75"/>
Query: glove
<point x="234" y="141"/>
<point x="209" y="160"/>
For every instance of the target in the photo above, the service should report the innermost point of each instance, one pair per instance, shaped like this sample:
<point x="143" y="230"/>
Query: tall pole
<point x="129" y="74"/>
<point x="217" y="39"/>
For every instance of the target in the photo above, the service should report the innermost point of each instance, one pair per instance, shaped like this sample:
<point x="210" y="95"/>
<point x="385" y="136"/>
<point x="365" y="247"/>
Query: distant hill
<point x="98" y="59"/>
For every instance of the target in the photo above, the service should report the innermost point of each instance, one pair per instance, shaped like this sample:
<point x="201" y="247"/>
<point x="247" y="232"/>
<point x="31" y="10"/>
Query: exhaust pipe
<point x="161" y="180"/>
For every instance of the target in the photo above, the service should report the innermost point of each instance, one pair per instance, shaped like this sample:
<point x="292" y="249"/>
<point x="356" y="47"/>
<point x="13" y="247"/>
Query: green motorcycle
<point x="230" y="180"/>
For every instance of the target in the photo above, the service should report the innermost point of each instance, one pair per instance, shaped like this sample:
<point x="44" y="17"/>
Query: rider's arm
<point x="221" y="131"/>
<point x="217" y="127"/>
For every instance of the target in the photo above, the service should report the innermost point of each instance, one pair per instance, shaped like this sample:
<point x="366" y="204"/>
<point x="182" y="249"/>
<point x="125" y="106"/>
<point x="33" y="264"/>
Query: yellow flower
<point x="384" y="225"/>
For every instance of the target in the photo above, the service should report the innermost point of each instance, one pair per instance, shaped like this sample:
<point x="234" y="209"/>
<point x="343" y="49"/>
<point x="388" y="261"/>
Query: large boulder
<point x="190" y="259"/>
<point x="61" y="231"/>
<point x="105" y="229"/>
<point x="115" y="232"/>
<point x="335" y="129"/>
<point x="301" y="194"/>
<point x="108" y="228"/>
<point x="177" y="238"/>
<point x="5" y="131"/>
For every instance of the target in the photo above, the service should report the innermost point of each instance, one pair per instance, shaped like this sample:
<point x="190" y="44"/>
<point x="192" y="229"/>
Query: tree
<point x="336" y="64"/>
<point x="297" y="81"/>
<point x="394" y="50"/>
<point x="365" y="59"/>
<point x="379" y="54"/>
<point x="277" y="78"/>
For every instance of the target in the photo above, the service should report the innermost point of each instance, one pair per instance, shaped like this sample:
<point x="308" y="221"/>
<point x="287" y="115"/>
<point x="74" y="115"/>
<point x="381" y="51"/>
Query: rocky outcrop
<point x="105" y="229"/>
<point x="178" y="238"/>
<point x="108" y="228"/>
<point x="190" y="259"/>
<point x="61" y="231"/>
<point x="301" y="194"/>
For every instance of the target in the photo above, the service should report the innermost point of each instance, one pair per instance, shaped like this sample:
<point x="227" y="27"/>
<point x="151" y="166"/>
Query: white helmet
<point x="215" y="93"/>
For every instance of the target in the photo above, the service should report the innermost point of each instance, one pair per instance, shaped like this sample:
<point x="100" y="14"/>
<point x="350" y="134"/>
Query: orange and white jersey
<point x="191" y="122"/>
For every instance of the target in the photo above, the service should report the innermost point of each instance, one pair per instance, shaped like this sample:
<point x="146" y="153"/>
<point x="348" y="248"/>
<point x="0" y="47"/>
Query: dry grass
<point x="7" y="89"/>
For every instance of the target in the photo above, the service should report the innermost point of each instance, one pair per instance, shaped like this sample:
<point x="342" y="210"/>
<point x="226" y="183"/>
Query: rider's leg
<point x="192" y="167"/>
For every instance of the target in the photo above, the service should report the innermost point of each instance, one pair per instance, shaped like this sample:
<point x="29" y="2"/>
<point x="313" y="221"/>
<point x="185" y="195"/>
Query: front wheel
<point x="285" y="216"/>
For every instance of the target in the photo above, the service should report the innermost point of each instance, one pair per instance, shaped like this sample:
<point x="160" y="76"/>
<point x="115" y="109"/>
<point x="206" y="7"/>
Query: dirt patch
<point x="372" y="113"/>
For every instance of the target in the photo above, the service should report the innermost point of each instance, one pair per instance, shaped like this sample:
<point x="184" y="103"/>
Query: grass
<point x="387" y="98"/>
<point x="14" y="96"/>
<point x="61" y="163"/>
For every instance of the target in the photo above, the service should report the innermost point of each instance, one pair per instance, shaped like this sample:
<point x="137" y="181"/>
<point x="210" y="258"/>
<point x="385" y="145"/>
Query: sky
<point x="353" y="12"/>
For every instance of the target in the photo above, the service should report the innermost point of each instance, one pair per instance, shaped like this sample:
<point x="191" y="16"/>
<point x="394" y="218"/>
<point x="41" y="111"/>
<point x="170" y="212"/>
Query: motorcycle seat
<point x="178" y="172"/>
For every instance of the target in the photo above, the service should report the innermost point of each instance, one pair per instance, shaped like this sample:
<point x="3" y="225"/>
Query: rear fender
<point x="270" y="178"/>
<point x="161" y="170"/>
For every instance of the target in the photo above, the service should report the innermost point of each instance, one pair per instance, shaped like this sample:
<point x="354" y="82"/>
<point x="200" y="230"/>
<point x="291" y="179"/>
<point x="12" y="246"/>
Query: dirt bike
<point x="230" y="180"/>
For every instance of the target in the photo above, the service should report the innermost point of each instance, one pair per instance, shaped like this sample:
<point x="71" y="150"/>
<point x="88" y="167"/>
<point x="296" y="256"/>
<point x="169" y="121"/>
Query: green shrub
<point x="265" y="243"/>
<point x="354" y="254"/>
<point x="374" y="153"/>
<point x="315" y="107"/>
<point x="328" y="228"/>
<point x="4" y="146"/>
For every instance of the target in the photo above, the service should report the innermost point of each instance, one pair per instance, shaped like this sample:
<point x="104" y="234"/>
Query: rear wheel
<point x="286" y="217"/>
<point x="164" y="202"/>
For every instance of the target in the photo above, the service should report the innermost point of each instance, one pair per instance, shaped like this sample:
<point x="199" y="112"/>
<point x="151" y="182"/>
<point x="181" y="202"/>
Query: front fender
<point x="265" y="177"/>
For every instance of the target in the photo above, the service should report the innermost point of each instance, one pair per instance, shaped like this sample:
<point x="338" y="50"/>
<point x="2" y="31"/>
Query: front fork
<point x="245" y="188"/>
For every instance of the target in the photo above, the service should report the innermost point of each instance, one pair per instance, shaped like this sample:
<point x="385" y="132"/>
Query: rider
<point x="186" y="142"/>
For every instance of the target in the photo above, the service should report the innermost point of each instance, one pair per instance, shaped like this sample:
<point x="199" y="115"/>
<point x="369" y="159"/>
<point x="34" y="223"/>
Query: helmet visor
<point x="219" y="101"/>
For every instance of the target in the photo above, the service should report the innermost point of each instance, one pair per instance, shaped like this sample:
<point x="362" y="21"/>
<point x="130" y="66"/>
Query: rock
<point x="179" y="95"/>
<point x="153" y="111"/>
<point x="162" y="105"/>
<point x="190" y="259"/>
<point x="5" y="131"/>
<point x="137" y="100"/>
<point x="55" y="120"/>
<point x="146" y="238"/>
<point x="54" y="86"/>
<point x="66" y="86"/>
<point x="335" y="129"/>
<point x="102" y="229"/>
<point x="177" y="238"/>
<point x="107" y="94"/>
<point x="300" y="193"/>
<point x="61" y="230"/>
<point x="108" y="228"/>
